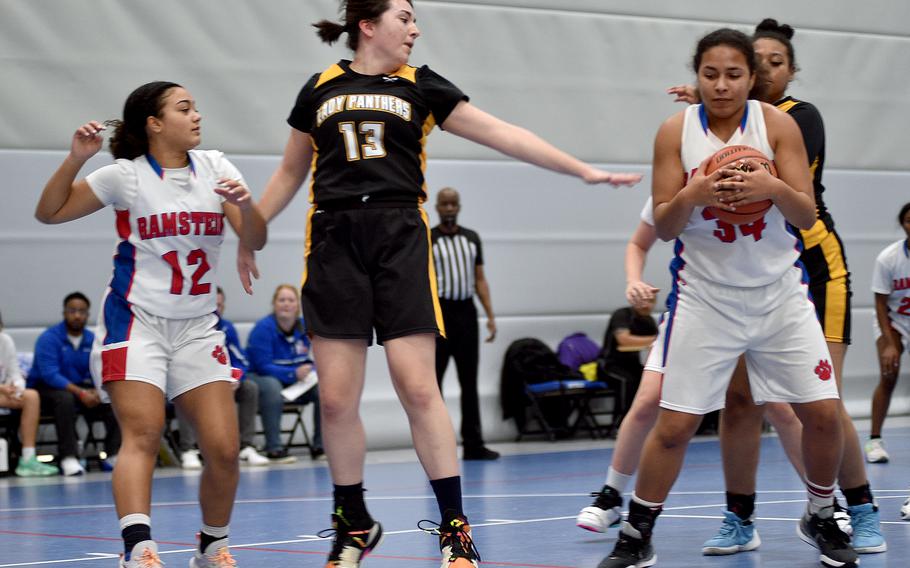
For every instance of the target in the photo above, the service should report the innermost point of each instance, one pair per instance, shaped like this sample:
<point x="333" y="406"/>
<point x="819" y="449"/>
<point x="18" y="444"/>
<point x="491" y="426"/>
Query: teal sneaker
<point x="31" y="467"/>
<point x="867" y="531"/>
<point x="735" y="535"/>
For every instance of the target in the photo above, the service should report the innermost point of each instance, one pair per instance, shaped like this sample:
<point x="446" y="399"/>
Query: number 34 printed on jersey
<point x="726" y="232"/>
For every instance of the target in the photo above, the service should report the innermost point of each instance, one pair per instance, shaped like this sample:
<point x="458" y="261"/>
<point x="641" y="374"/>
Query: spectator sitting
<point x="60" y="374"/>
<point x="279" y="353"/>
<point x="246" y="395"/>
<point x="13" y="394"/>
<point x="630" y="331"/>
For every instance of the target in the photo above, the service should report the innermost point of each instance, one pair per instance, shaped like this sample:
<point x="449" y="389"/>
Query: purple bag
<point x="577" y="349"/>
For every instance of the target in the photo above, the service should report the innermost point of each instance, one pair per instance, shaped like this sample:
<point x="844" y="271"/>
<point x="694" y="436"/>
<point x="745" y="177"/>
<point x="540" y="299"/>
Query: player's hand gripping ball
<point x="732" y="155"/>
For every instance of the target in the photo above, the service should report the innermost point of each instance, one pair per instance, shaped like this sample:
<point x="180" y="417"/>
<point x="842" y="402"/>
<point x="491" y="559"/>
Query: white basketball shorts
<point x="710" y="325"/>
<point x="175" y="355"/>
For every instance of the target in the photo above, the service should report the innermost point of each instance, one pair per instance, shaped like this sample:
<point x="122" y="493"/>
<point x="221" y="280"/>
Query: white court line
<point x="489" y="523"/>
<point x="899" y="493"/>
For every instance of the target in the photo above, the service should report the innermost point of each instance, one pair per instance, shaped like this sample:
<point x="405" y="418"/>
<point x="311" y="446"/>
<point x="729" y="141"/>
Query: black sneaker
<point x="832" y="543"/>
<point x="280" y="456"/>
<point x="350" y="544"/>
<point x="604" y="512"/>
<point x="481" y="453"/>
<point x="630" y="552"/>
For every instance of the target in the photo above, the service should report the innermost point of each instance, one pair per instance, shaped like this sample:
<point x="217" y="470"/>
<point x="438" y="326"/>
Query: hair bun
<point x="771" y="25"/>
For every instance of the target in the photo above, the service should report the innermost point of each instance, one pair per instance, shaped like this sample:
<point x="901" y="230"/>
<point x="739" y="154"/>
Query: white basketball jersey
<point x="647" y="212"/>
<point x="891" y="276"/>
<point x="171" y="226"/>
<point x="748" y="255"/>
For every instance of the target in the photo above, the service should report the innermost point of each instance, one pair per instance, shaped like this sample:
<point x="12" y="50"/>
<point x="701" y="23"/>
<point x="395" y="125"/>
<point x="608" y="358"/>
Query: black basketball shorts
<point x="829" y="280"/>
<point x="369" y="268"/>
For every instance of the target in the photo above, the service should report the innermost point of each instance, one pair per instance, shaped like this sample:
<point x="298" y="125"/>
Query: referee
<point x="459" y="275"/>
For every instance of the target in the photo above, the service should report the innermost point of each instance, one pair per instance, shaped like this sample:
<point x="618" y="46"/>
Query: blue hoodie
<point x="273" y="353"/>
<point x="232" y="341"/>
<point x="57" y="362"/>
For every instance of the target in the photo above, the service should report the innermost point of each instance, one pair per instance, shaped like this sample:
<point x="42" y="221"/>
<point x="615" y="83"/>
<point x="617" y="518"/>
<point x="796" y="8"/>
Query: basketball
<point x="732" y="154"/>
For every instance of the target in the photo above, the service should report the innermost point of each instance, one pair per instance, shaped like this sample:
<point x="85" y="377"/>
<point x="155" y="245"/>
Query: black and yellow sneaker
<point x="351" y="543"/>
<point x="455" y="542"/>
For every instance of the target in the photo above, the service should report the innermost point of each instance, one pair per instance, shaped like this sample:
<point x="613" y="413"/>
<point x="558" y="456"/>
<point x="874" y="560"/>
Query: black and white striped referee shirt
<point x="456" y="255"/>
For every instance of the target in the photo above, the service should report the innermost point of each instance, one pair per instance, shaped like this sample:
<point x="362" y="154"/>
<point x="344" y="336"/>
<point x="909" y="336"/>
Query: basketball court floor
<point x="522" y="509"/>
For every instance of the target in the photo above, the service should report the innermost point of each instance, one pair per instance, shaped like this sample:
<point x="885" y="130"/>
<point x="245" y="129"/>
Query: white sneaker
<point x="875" y="451"/>
<point x="905" y="510"/>
<point x="604" y="512"/>
<point x="143" y="555"/>
<point x="250" y="456"/>
<point x="190" y="460"/>
<point x="70" y="467"/>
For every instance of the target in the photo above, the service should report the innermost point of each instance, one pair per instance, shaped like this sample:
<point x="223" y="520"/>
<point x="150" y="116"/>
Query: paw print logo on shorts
<point x="219" y="354"/>
<point x="823" y="370"/>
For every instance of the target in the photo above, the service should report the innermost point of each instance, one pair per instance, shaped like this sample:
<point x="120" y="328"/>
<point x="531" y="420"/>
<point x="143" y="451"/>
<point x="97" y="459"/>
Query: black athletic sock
<point x="206" y="539"/>
<point x="448" y="495"/>
<point x="858" y="495"/>
<point x="642" y="518"/>
<point x="350" y="506"/>
<point x="875" y="437"/>
<point x="742" y="505"/>
<point x="133" y="535"/>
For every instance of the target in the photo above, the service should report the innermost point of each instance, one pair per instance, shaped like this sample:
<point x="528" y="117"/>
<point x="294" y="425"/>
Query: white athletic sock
<point x="617" y="480"/>
<point x="821" y="499"/>
<point x="135" y="519"/>
<point x="28" y="453"/>
<point x="647" y="504"/>
<point x="217" y="532"/>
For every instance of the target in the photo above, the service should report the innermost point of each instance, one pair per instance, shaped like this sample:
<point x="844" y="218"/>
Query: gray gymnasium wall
<point x="589" y="75"/>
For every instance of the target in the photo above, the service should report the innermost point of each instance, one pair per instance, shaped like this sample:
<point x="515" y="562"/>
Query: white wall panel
<point x="588" y="75"/>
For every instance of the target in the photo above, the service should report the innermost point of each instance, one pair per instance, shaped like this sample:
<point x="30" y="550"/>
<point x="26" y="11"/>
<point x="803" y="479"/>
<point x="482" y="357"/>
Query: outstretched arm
<point x="471" y="123"/>
<point x="63" y="198"/>
<point x="281" y="188"/>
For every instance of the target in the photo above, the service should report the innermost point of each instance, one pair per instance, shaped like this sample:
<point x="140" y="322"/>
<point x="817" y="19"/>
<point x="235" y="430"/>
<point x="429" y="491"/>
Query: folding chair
<point x="578" y="395"/>
<point x="295" y="409"/>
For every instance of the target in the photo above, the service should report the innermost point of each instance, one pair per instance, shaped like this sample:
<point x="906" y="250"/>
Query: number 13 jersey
<point x="747" y="255"/>
<point x="171" y="225"/>
<point x="369" y="131"/>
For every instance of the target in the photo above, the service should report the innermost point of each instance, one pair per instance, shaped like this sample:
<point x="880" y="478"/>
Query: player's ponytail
<point x="130" y="139"/>
<point x="329" y="32"/>
<point x="771" y="29"/>
<point x="355" y="11"/>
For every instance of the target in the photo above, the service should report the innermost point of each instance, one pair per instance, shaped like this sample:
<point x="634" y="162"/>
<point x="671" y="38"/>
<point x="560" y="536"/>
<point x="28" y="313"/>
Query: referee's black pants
<point x="462" y="342"/>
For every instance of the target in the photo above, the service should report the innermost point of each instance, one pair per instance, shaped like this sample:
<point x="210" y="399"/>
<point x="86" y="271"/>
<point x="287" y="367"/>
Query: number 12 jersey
<point x="170" y="223"/>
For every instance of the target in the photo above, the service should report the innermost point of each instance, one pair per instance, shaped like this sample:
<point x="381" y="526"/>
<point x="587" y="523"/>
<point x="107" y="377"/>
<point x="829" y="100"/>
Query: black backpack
<point x="530" y="361"/>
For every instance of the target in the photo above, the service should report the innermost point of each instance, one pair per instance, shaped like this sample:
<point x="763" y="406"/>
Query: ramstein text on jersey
<point x="180" y="224"/>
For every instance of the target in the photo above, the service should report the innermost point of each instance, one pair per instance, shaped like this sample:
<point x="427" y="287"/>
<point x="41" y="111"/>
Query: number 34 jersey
<point x="748" y="255"/>
<point x="170" y="224"/>
<point x="369" y="131"/>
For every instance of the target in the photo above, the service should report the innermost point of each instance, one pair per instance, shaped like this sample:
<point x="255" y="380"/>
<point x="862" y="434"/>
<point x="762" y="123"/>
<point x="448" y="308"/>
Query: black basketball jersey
<point x="810" y="124"/>
<point x="369" y="131"/>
